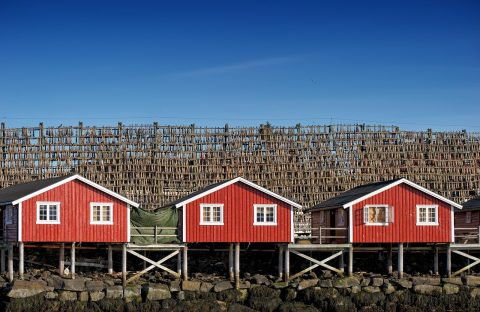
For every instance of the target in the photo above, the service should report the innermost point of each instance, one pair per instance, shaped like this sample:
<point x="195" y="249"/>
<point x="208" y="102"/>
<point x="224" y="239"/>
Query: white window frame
<point x="203" y="222"/>
<point x="92" y="204"/>
<point x="8" y="215"/>
<point x="468" y="217"/>
<point x="255" y="208"/>
<point x="388" y="212"/>
<point x="48" y="204"/>
<point x="427" y="222"/>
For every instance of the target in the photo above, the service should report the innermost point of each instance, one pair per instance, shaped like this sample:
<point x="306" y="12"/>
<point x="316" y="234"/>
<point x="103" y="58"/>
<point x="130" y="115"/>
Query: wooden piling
<point x="185" y="263"/>
<point x="350" y="260"/>
<point x="280" y="261"/>
<point x="72" y="260"/>
<point x="2" y="260"/>
<point x="179" y="263"/>
<point x="237" y="265"/>
<point x="10" y="262"/>
<point x="287" y="264"/>
<point x="124" y="265"/>
<point x="390" y="260"/>
<point x="341" y="262"/>
<point x="435" y="260"/>
<point x="449" y="261"/>
<point x="21" y="259"/>
<point x="61" y="260"/>
<point x="230" y="263"/>
<point x="400" y="260"/>
<point x="110" y="259"/>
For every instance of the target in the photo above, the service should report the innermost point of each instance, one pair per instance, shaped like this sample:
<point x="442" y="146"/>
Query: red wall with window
<point x="238" y="201"/>
<point x="75" y="198"/>
<point x="404" y="199"/>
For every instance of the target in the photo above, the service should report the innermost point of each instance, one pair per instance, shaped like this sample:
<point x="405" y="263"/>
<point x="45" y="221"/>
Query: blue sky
<point x="415" y="64"/>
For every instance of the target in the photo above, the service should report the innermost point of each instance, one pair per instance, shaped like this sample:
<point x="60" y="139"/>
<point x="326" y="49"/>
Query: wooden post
<point x="185" y="263"/>
<point x="61" y="260"/>
<point x="124" y="265"/>
<point x="479" y="234"/>
<point x="449" y="261"/>
<point x="400" y="260"/>
<point x="320" y="235"/>
<point x="287" y="264"/>
<point x="10" y="262"/>
<point x="435" y="260"/>
<point x="72" y="260"/>
<point x="341" y="262"/>
<point x="144" y="262"/>
<point x="179" y="263"/>
<point x="237" y="265"/>
<point x="21" y="259"/>
<point x="280" y="261"/>
<point x="110" y="259"/>
<point x="350" y="260"/>
<point x="2" y="260"/>
<point x="230" y="263"/>
<point x="155" y="234"/>
<point x="390" y="260"/>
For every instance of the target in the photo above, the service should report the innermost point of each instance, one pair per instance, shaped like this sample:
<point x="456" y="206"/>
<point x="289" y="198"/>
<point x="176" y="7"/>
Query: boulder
<point x="206" y="287"/>
<point x="371" y="289"/>
<point x="453" y="280"/>
<point x="74" y="284"/>
<point x="450" y="289"/>
<point x="96" y="295"/>
<point x="472" y="280"/>
<point x="191" y="285"/>
<point x="356" y="289"/>
<point x="365" y="281"/>
<point x="175" y="286"/>
<point x="55" y="281"/>
<point x="475" y="293"/>
<point x="94" y="286"/>
<point x="434" y="281"/>
<point x="114" y="292"/>
<point x="388" y="289"/>
<point x="132" y="293"/>
<point x="67" y="295"/>
<point x="280" y="285"/>
<point x="51" y="295"/>
<point x="83" y="296"/>
<point x="377" y="281"/>
<point x="244" y="285"/>
<point x="221" y="286"/>
<point x="24" y="289"/>
<point x="261" y="280"/>
<point x="427" y="289"/>
<point x="157" y="292"/>
<point x="304" y="284"/>
<point x="346" y="282"/>
<point x="325" y="283"/>
<point x="403" y="283"/>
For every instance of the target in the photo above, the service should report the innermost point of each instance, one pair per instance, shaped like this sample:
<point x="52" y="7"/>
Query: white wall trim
<point x="129" y="208"/>
<point x="350" y="224"/>
<point x="292" y="226"/>
<point x="452" y="224"/>
<point x="19" y="226"/>
<point x="184" y="226"/>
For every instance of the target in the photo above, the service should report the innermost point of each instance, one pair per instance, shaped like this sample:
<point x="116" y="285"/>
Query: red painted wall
<point x="74" y="197"/>
<point x="404" y="199"/>
<point x="238" y="214"/>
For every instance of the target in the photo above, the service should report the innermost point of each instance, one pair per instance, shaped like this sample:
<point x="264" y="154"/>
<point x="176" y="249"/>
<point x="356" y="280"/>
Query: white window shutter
<point x="365" y="214"/>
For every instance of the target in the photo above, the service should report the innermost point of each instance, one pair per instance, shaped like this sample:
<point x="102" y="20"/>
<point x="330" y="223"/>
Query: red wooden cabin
<point x="467" y="222"/>
<point x="64" y="209"/>
<point x="236" y="211"/>
<point x="396" y="211"/>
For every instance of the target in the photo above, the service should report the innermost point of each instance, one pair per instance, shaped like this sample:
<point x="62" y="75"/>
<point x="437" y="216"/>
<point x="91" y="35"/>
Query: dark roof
<point x="191" y="195"/>
<point x="472" y="204"/>
<point x="14" y="192"/>
<point x="351" y="195"/>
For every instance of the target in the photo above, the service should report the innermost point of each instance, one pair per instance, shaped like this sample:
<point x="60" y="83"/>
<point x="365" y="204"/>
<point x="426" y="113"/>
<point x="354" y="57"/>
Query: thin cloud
<point x="231" y="68"/>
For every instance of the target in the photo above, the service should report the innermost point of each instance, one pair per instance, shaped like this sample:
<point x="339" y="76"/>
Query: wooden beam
<point x="322" y="263"/>
<point x="449" y="261"/>
<point x="470" y="257"/>
<point x="287" y="264"/>
<point x="72" y="260"/>
<point x="124" y="265"/>
<point x="237" y="265"/>
<point x="21" y="259"/>
<point x="400" y="260"/>
<point x="153" y="264"/>
<point x="230" y="263"/>
<point x="10" y="262"/>
<point x="350" y="261"/>
<point x="61" y="260"/>
<point x="185" y="263"/>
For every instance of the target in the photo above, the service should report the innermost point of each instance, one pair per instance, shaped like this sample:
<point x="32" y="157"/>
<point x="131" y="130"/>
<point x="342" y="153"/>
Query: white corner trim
<point x="19" y="220"/>
<point x="410" y="183"/>
<point x="256" y="206"/>
<point x="84" y="180"/>
<point x="350" y="224"/>
<point x="239" y="179"/>
<point x="129" y="208"/>
<point x="48" y="203"/>
<point x="110" y="222"/>
<point x="452" y="224"/>
<point x="292" y="226"/>
<point x="184" y="227"/>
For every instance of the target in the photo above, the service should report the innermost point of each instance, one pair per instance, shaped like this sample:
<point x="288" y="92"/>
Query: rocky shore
<point x="46" y="291"/>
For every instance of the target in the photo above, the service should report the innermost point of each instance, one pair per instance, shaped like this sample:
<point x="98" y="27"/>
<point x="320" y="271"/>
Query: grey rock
<point x="114" y="292"/>
<point x="181" y="295"/>
<point x="206" y="287"/>
<point x="472" y="280"/>
<point x="346" y="282"/>
<point x="74" y="284"/>
<point x="325" y="283"/>
<point x="356" y="289"/>
<point x="365" y="281"/>
<point x="244" y="285"/>
<point x="94" y="285"/>
<point x="55" y="281"/>
<point x="24" y="289"/>
<point x="427" y="289"/>
<point x="327" y="274"/>
<point x="83" y="296"/>
<point x="175" y="286"/>
<point x="377" y="281"/>
<point x="304" y="284"/>
<point x="389" y="289"/>
<point x="157" y="292"/>
<point x="51" y="295"/>
<point x="450" y="289"/>
<point x="261" y="280"/>
<point x="191" y="285"/>
<point x="96" y="295"/>
<point x="280" y="285"/>
<point x="371" y="289"/>
<point x="67" y="295"/>
<point x="453" y="280"/>
<point x="434" y="281"/>
<point x="404" y="283"/>
<point x="475" y="293"/>
<point x="132" y="293"/>
<point x="289" y="294"/>
<point x="221" y="286"/>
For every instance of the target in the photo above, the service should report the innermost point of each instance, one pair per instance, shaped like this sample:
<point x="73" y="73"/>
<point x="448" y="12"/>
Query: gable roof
<point x="362" y="192"/>
<point x="20" y="192"/>
<point x="472" y="204"/>
<point x="217" y="186"/>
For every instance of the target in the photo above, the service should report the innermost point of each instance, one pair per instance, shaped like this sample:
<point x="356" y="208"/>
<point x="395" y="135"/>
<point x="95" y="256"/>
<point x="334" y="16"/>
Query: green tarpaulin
<point x="143" y="226"/>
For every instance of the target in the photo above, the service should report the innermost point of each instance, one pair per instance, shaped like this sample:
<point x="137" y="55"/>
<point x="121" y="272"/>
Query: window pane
<point x="372" y="215"/>
<point x="217" y="214"/>
<point x="43" y="213"/>
<point x="96" y="213"/>
<point x="260" y="214"/>
<point x="53" y="213"/>
<point x="381" y="214"/>
<point x="269" y="214"/>
<point x="106" y="214"/>
<point x="206" y="214"/>
<point x="431" y="214"/>
<point x="422" y="214"/>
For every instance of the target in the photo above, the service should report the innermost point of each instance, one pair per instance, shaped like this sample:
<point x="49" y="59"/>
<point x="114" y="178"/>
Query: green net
<point x="143" y="225"/>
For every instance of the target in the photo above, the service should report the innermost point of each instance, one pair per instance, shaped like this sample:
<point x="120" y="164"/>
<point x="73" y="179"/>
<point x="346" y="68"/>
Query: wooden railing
<point x="152" y="231"/>
<point x="325" y="234"/>
<point x="470" y="235"/>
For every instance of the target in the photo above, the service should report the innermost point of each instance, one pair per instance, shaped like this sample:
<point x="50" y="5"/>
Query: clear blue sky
<point x="415" y="64"/>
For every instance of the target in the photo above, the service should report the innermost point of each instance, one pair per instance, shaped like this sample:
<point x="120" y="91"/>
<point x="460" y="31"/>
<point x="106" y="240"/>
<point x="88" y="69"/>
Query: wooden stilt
<point x="2" y="260"/>
<point x="10" y="262"/>
<point x="435" y="260"/>
<point x="287" y="264"/>
<point x="230" y="263"/>
<point x="61" y="260"/>
<point x="110" y="259"/>
<point x="21" y="259"/>
<point x="341" y="263"/>
<point x="124" y="265"/>
<point x="400" y="260"/>
<point x="390" y="260"/>
<point x="449" y="261"/>
<point x="350" y="260"/>
<point x="179" y="264"/>
<point x="237" y="265"/>
<point x="72" y="260"/>
<point x="185" y="263"/>
<point x="280" y="261"/>
<point x="144" y="262"/>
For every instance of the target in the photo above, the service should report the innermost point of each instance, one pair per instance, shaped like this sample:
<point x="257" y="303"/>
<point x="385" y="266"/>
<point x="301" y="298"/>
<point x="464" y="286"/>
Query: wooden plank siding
<point x="11" y="230"/>
<point x="461" y="219"/>
<point x="238" y="217"/>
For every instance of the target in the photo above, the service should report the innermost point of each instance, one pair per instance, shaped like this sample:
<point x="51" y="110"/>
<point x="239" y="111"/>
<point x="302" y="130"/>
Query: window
<point x="211" y="214"/>
<point x="341" y="216"/>
<point x="427" y="215"/>
<point x="265" y="214"/>
<point x="377" y="214"/>
<point x="101" y="213"/>
<point x="322" y="216"/>
<point x="9" y="215"/>
<point x="48" y="213"/>
<point x="468" y="217"/>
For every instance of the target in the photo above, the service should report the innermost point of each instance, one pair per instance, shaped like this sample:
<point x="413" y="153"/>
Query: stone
<point x="434" y="281"/>
<point x="244" y="285"/>
<point x="206" y="287"/>
<point x="289" y="294"/>
<point x="356" y="289"/>
<point x="221" y="286"/>
<point x="280" y="285"/>
<point x="325" y="283"/>
<point x="427" y="289"/>
<point x="67" y="295"/>
<point x="191" y="285"/>
<point x="74" y="284"/>
<point x="453" y="280"/>
<point x="175" y="286"/>
<point x="327" y="274"/>
<point x="243" y="295"/>
<point x="475" y="293"/>
<point x="157" y="292"/>
<point x="132" y="293"/>
<point x="83" y="296"/>
<point x="261" y="280"/>
<point x="181" y="295"/>
<point x="55" y="281"/>
<point x="450" y="289"/>
<point x="365" y="281"/>
<point x="94" y="285"/>
<point x="389" y="289"/>
<point x="96" y="295"/>
<point x="51" y="295"/>
<point x="346" y="282"/>
<point x="371" y="289"/>
<point x="304" y="284"/>
<point x="472" y="280"/>
<point x="24" y="289"/>
<point x="404" y="283"/>
<point x="114" y="292"/>
<point x="377" y="281"/>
